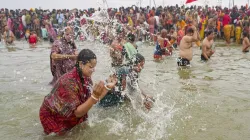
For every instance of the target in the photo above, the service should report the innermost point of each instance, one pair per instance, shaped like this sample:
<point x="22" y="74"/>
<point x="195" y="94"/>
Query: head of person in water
<point x="138" y="63"/>
<point x="172" y="30"/>
<point x="210" y="35"/>
<point x="164" y="33"/>
<point x="131" y="37"/>
<point x="245" y="34"/>
<point x="6" y="28"/>
<point x="68" y="34"/>
<point x="190" y="31"/>
<point x="86" y="63"/>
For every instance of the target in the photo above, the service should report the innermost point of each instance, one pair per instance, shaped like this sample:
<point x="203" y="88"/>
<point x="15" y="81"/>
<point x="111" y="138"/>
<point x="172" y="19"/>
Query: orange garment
<point x="181" y="24"/>
<point x="218" y="25"/>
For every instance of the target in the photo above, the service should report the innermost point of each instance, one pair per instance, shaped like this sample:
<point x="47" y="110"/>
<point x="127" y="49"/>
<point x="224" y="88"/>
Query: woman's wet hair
<point x="131" y="37"/>
<point x="85" y="56"/>
<point x="139" y="58"/>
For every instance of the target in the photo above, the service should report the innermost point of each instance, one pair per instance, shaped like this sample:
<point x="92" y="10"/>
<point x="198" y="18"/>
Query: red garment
<point x="32" y="39"/>
<point x="57" y="111"/>
<point x="226" y="20"/>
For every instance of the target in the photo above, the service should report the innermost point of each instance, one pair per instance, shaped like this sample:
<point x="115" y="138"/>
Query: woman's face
<point x="89" y="68"/>
<point x="138" y="68"/>
<point x="69" y="35"/>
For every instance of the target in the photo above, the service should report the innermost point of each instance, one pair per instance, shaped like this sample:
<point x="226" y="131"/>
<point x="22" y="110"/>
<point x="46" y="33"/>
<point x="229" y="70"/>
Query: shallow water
<point x="209" y="101"/>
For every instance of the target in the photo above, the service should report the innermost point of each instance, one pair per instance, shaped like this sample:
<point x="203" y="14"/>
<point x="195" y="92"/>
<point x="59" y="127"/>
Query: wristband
<point x="107" y="87"/>
<point x="92" y="96"/>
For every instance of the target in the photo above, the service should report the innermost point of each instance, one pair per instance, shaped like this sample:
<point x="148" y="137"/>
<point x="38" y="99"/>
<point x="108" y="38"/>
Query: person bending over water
<point x="33" y="39"/>
<point x="207" y="45"/>
<point x="63" y="55"/>
<point x="186" y="52"/>
<point x="246" y="43"/>
<point x="71" y="98"/>
<point x="8" y="36"/>
<point x="162" y="44"/>
<point x="115" y="96"/>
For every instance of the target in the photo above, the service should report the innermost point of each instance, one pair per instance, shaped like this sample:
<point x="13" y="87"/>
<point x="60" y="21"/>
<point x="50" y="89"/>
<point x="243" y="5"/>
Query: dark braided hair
<point x="85" y="56"/>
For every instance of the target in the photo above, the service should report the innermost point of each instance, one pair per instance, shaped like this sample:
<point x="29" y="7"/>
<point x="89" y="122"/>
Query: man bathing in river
<point x="207" y="45"/>
<point x="186" y="52"/>
<point x="246" y="43"/>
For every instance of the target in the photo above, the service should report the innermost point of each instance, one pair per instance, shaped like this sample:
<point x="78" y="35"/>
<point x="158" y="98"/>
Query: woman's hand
<point x="111" y="82"/>
<point x="98" y="89"/>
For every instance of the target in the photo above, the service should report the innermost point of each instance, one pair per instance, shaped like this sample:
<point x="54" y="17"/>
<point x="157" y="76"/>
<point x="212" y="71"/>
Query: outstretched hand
<point x="111" y="82"/>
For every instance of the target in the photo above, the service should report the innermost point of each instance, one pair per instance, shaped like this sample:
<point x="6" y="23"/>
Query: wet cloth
<point x="227" y="32"/>
<point x="130" y="51"/>
<point x="115" y="97"/>
<point x="57" y="110"/>
<point x="183" y="62"/>
<point x="203" y="58"/>
<point x="60" y="67"/>
<point x="32" y="39"/>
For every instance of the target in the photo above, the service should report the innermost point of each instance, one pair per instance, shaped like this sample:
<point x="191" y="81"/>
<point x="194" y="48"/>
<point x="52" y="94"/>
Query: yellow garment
<point x="232" y="30"/>
<point x="181" y="24"/>
<point x="227" y="32"/>
<point x="130" y="22"/>
<point x="202" y="31"/>
<point x="198" y="43"/>
<point x="238" y="32"/>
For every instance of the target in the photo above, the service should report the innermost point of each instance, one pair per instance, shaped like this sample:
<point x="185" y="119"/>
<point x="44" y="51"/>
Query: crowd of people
<point x="73" y="93"/>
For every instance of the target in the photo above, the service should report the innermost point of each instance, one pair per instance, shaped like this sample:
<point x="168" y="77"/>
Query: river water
<point x="209" y="101"/>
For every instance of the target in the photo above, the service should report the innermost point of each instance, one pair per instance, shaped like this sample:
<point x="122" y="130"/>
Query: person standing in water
<point x="33" y="39"/>
<point x="207" y="44"/>
<point x="245" y="43"/>
<point x="63" y="55"/>
<point x="186" y="52"/>
<point x="8" y="36"/>
<point x="73" y="96"/>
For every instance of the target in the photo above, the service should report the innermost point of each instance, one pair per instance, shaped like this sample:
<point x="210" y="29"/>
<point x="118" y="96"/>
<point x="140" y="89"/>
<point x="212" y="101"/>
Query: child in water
<point x="33" y="39"/>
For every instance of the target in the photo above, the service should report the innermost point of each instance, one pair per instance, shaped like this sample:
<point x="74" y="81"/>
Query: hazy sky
<point x="50" y="4"/>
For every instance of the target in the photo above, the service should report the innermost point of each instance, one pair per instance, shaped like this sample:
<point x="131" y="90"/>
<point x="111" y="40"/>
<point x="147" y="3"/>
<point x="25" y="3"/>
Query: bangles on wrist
<point x="93" y="96"/>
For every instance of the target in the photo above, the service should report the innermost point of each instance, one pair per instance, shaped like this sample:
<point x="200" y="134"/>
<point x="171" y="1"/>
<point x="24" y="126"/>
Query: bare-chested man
<point x="207" y="44"/>
<point x="212" y="23"/>
<point x="152" y="22"/>
<point x="186" y="52"/>
<point x="246" y="43"/>
<point x="8" y="36"/>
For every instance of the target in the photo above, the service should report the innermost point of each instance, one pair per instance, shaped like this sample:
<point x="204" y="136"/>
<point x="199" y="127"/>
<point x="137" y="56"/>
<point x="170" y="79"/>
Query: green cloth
<point x="130" y="50"/>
